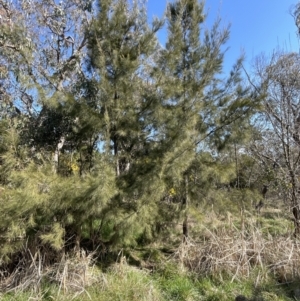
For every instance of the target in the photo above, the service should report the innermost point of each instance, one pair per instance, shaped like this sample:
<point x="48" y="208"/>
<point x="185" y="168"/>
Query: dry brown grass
<point x="237" y="252"/>
<point x="71" y="275"/>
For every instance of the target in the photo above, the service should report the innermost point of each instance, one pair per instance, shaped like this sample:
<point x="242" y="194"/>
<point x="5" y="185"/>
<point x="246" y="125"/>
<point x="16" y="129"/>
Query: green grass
<point x="15" y="297"/>
<point x="175" y="284"/>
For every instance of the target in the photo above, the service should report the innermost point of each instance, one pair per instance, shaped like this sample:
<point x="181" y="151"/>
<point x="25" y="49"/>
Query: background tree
<point x="278" y="80"/>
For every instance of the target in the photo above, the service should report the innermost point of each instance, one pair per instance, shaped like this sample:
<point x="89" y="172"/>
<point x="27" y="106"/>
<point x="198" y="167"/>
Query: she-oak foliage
<point x="102" y="138"/>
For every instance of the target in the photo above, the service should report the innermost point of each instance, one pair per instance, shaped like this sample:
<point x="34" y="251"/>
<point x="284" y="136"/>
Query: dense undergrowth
<point x="245" y="254"/>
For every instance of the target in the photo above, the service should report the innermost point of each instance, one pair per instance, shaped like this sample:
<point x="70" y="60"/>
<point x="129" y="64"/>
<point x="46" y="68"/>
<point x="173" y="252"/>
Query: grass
<point x="249" y="255"/>
<point x="170" y="283"/>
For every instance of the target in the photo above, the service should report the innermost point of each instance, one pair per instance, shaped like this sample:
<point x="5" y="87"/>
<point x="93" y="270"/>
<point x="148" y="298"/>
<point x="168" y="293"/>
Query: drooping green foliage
<point x="199" y="107"/>
<point x="107" y="137"/>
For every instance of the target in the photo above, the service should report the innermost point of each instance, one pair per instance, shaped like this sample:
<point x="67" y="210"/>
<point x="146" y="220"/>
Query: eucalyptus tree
<point x="42" y="52"/>
<point x="45" y="122"/>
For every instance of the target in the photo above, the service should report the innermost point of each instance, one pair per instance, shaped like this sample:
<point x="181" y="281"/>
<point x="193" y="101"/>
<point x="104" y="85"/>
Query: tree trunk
<point x="295" y="205"/>
<point x="116" y="151"/>
<point x="236" y="167"/>
<point x="57" y="153"/>
<point x="77" y="242"/>
<point x="185" y="203"/>
<point x="296" y="214"/>
<point x="185" y="229"/>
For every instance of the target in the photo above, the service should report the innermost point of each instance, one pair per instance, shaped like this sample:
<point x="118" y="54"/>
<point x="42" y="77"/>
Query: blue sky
<point x="256" y="25"/>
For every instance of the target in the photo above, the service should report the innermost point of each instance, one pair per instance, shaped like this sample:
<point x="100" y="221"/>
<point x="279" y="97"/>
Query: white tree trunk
<point x="57" y="153"/>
